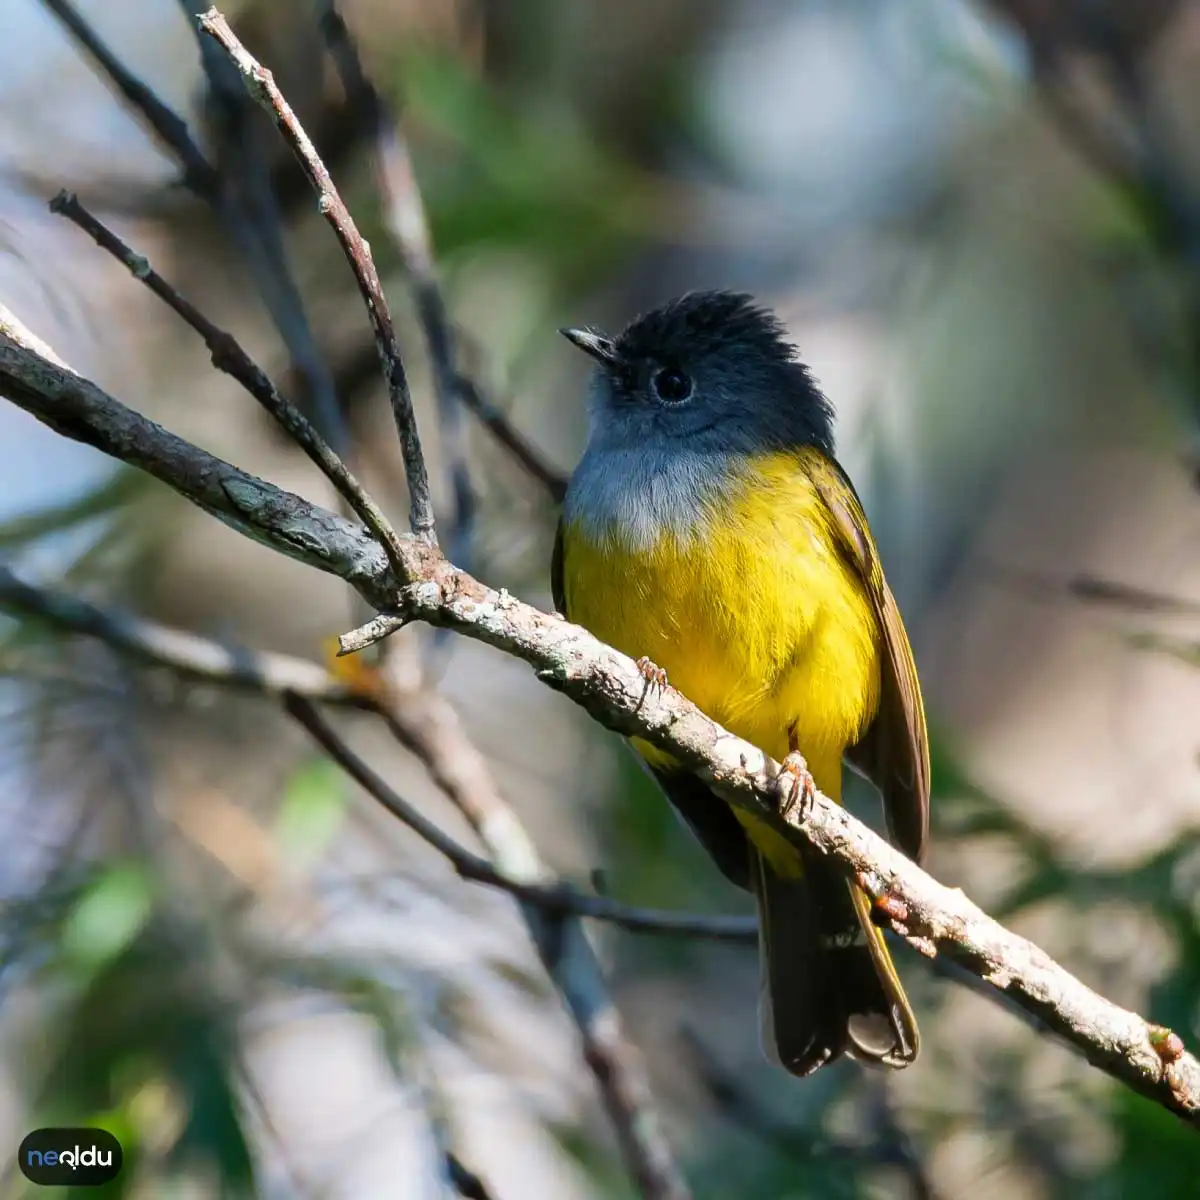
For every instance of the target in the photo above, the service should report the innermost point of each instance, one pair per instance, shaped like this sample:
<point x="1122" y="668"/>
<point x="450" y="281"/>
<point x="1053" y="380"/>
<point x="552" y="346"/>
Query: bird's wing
<point x="894" y="751"/>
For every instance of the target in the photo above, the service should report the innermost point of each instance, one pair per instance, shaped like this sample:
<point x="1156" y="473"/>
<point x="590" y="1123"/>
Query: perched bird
<point x="709" y="532"/>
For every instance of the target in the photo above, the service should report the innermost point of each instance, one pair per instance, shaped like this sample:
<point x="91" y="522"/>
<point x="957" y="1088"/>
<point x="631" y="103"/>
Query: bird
<point x="709" y="532"/>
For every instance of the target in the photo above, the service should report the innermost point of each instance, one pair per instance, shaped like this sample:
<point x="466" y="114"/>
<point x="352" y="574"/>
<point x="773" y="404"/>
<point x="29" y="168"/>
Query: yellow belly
<point x="754" y="616"/>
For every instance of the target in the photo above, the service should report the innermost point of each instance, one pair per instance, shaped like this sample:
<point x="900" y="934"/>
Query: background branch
<point x="239" y="194"/>
<point x="169" y="128"/>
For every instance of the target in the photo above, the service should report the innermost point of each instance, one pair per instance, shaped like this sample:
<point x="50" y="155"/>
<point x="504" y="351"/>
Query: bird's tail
<point x="829" y="984"/>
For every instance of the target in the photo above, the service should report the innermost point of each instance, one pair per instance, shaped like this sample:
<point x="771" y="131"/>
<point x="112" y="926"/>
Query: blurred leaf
<point x="108" y="916"/>
<point x="313" y="808"/>
<point x="1186" y="650"/>
<point x="947" y="774"/>
<point x="527" y="174"/>
<point x="149" y="1043"/>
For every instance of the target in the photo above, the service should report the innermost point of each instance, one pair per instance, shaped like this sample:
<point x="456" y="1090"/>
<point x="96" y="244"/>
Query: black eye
<point x="672" y="385"/>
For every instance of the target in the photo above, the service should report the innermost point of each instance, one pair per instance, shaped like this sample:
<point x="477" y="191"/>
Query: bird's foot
<point x="652" y="673"/>
<point x="797" y="789"/>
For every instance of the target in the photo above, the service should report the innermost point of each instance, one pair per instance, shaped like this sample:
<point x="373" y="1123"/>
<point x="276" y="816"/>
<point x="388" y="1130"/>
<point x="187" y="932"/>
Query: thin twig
<point x="497" y="423"/>
<point x="406" y="220"/>
<point x="1144" y="168"/>
<point x="555" y="899"/>
<point x="1091" y="589"/>
<point x="260" y="83"/>
<point x="35" y="379"/>
<point x="229" y="357"/>
<point x="199" y="175"/>
<point x="560" y="942"/>
<point x="186" y="655"/>
<point x="254" y="227"/>
<point x="251" y="213"/>
<point x="358" y="367"/>
<point x="430" y="727"/>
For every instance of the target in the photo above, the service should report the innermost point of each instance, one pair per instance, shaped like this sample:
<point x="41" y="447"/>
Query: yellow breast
<point x="753" y="613"/>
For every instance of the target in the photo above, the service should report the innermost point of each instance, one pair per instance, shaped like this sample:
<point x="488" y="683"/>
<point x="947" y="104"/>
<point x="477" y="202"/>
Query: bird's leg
<point x="651" y="672"/>
<point x="795" y="781"/>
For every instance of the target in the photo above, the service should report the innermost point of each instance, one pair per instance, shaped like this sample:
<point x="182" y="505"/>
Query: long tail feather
<point x="829" y="985"/>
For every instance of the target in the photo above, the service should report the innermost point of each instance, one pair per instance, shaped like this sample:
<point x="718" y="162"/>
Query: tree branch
<point x="250" y="209"/>
<point x="186" y="655"/>
<point x="404" y="211"/>
<point x="555" y="899"/>
<point x="428" y="726"/>
<point x="357" y="368"/>
<point x="34" y="379"/>
<point x="169" y="128"/>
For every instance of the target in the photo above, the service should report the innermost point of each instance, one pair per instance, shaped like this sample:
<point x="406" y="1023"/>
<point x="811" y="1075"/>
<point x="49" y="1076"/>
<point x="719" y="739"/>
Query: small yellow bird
<point x="710" y="532"/>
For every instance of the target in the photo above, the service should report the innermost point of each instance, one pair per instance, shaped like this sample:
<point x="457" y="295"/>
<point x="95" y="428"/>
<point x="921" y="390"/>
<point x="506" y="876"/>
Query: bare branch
<point x="406" y="219"/>
<point x="358" y="367"/>
<point x="260" y="83"/>
<point x="1141" y="159"/>
<point x="932" y="917"/>
<point x="1092" y="589"/>
<point x="246" y="207"/>
<point x="557" y="900"/>
<point x="228" y="356"/>
<point x="184" y="654"/>
<point x="497" y="423"/>
<point x="431" y="728"/>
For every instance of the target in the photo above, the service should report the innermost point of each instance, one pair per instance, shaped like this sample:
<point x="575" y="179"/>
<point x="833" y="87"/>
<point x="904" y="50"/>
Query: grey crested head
<point x="710" y="369"/>
<point x="677" y="402"/>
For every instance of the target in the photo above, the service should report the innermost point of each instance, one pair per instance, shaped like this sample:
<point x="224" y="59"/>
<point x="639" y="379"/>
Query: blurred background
<point x="981" y="222"/>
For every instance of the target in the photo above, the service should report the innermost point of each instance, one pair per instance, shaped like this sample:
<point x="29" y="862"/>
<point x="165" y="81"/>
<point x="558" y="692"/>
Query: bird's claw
<point x="651" y="672"/>
<point x="797" y="790"/>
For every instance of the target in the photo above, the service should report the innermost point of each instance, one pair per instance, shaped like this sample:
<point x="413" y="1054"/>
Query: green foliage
<point x="504" y="170"/>
<point x="109" y="914"/>
<point x="312" y="811"/>
<point x="138" y="1040"/>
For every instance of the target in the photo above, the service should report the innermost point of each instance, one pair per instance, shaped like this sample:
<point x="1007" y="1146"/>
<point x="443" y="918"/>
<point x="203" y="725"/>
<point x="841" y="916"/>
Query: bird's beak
<point x="597" y="345"/>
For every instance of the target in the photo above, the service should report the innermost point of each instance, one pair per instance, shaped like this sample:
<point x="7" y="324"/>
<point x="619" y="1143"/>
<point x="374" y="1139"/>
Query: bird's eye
<point x="672" y="385"/>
